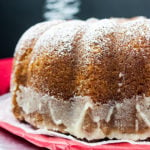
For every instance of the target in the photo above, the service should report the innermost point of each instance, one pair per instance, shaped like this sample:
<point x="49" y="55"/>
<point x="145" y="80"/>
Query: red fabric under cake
<point x="5" y="72"/>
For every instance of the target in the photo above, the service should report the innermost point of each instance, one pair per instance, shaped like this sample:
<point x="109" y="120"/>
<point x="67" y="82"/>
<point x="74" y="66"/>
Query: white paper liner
<point x="7" y="116"/>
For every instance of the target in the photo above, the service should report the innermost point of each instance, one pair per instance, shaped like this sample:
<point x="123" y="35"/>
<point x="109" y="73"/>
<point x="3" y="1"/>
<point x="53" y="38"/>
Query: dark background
<point x="18" y="15"/>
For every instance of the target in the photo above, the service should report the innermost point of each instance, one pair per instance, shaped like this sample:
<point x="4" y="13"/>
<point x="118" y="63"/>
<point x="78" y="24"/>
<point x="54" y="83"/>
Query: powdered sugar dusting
<point x="30" y="37"/>
<point x="59" y="38"/>
<point x="98" y="36"/>
<point x="99" y="29"/>
<point x="108" y="34"/>
<point x="137" y="28"/>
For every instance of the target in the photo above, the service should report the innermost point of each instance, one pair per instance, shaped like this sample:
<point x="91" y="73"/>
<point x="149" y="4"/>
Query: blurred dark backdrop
<point x="18" y="15"/>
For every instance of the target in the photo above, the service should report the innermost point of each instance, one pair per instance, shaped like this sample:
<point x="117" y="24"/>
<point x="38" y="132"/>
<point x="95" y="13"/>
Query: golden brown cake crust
<point x="67" y="73"/>
<point x="106" y="60"/>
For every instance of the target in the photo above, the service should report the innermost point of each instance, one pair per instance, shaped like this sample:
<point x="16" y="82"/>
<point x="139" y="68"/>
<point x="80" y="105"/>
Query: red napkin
<point x="56" y="143"/>
<point x="5" y="72"/>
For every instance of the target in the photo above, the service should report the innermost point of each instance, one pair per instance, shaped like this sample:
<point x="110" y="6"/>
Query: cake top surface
<point x="58" y="36"/>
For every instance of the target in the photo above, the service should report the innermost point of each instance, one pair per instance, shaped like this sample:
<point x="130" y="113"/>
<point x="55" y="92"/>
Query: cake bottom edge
<point x="80" y="117"/>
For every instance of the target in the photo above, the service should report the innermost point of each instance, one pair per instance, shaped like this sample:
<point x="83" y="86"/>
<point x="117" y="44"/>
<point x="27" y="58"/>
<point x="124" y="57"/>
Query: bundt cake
<point x="89" y="79"/>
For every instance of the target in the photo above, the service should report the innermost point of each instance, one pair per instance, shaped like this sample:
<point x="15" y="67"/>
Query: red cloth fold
<point x="58" y="143"/>
<point x="5" y="73"/>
